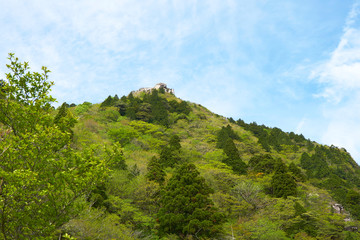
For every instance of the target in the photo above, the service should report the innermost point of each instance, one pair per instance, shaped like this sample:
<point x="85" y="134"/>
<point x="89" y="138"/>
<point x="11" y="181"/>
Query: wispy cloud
<point x="340" y="74"/>
<point x="339" y="77"/>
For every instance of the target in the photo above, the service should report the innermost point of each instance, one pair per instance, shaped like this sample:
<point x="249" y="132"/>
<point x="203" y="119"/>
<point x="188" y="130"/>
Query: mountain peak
<point x="158" y="86"/>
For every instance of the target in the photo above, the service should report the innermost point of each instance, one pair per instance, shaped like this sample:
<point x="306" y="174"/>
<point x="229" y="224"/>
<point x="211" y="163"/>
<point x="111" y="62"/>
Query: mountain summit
<point x="159" y="86"/>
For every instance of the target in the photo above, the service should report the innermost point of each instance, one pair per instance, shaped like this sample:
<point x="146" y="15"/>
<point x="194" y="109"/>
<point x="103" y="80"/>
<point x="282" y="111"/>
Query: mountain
<point x="262" y="183"/>
<point x="152" y="166"/>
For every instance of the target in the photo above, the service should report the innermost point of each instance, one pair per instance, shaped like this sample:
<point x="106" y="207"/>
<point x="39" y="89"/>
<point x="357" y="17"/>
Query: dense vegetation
<point x="151" y="166"/>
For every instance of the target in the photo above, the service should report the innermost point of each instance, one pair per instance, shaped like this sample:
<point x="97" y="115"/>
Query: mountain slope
<point x="267" y="184"/>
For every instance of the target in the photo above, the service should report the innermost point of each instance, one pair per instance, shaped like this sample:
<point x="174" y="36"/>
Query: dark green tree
<point x="262" y="163"/>
<point x="144" y="112"/>
<point x="169" y="157"/>
<point x="186" y="209"/>
<point x="107" y="102"/>
<point x="155" y="171"/>
<point x="233" y="158"/>
<point x="283" y="185"/>
<point x="224" y="134"/>
<point x="296" y="171"/>
<point x="352" y="201"/>
<point x="174" y="142"/>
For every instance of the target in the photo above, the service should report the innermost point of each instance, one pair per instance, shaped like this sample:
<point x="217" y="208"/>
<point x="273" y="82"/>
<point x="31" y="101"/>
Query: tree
<point x="186" y="208"/>
<point x="233" y="158"/>
<point x="107" y="102"/>
<point x="283" y="185"/>
<point x="42" y="177"/>
<point x="169" y="157"/>
<point x="155" y="171"/>
<point x="175" y="143"/>
<point x="64" y="119"/>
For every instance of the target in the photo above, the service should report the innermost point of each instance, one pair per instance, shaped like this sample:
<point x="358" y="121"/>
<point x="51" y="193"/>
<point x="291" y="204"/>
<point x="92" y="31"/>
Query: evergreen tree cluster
<point x="225" y="141"/>
<point x="151" y="107"/>
<point x="339" y="181"/>
<point x="283" y="183"/>
<point x="186" y="209"/>
<point x="274" y="138"/>
<point x="169" y="157"/>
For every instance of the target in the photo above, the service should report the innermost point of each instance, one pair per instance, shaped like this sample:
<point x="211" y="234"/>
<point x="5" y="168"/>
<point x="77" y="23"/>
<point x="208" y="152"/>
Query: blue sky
<point x="285" y="63"/>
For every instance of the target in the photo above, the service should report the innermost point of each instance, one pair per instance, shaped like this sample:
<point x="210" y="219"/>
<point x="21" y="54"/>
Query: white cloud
<point x="340" y="78"/>
<point x="341" y="72"/>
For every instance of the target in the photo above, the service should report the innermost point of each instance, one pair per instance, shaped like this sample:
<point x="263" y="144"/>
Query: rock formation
<point x="157" y="87"/>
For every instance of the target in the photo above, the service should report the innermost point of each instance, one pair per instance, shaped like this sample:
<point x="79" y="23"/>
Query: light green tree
<point x="42" y="177"/>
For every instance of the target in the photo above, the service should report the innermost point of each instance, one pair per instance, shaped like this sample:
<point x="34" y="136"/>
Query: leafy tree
<point x="42" y="178"/>
<point x="250" y="192"/>
<point x="316" y="166"/>
<point x="117" y="158"/>
<point x="64" y="119"/>
<point x="186" y="208"/>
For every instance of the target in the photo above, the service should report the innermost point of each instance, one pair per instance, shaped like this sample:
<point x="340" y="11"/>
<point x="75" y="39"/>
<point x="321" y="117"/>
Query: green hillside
<point x="266" y="183"/>
<point x="152" y="166"/>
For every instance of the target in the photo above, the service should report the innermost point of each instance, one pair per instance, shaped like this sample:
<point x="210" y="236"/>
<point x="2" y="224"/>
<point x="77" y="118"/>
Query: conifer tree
<point x="233" y="158"/>
<point x="186" y="209"/>
<point x="175" y="142"/>
<point x="283" y="184"/>
<point x="155" y="171"/>
<point x="169" y="157"/>
<point x="107" y="103"/>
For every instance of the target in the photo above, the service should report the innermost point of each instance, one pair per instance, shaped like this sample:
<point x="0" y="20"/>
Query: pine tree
<point x="186" y="208"/>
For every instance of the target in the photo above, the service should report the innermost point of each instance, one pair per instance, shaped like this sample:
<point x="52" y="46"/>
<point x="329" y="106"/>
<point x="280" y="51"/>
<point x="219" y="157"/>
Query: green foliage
<point x="82" y="108"/>
<point x="42" y="177"/>
<point x="65" y="120"/>
<point x="174" y="143"/>
<point x="233" y="158"/>
<point x="55" y="179"/>
<point x="297" y="173"/>
<point x="186" y="209"/>
<point x="155" y="171"/>
<point x="225" y="141"/>
<point x="224" y="134"/>
<point x="97" y="224"/>
<point x="262" y="163"/>
<point x="283" y="184"/>
<point x="250" y="192"/>
<point x="109" y="101"/>
<point x="169" y="157"/>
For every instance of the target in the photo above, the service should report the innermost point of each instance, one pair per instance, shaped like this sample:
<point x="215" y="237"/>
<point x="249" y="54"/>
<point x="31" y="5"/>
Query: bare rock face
<point x="338" y="208"/>
<point x="157" y="87"/>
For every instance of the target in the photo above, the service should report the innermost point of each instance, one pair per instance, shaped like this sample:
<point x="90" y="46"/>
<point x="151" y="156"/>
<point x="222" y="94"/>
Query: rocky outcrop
<point x="157" y="87"/>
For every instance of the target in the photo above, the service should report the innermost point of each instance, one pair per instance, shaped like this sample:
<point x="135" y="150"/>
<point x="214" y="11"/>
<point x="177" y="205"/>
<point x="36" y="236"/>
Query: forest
<point x="153" y="166"/>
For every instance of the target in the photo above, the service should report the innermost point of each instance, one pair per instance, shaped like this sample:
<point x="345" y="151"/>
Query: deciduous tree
<point x="42" y="178"/>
